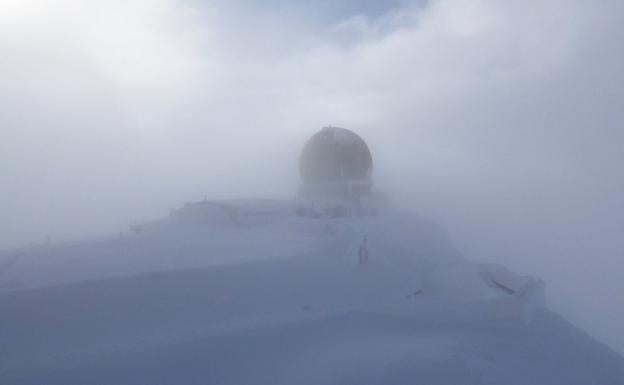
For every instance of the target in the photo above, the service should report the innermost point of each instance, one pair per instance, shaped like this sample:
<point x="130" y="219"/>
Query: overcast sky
<point x="502" y="119"/>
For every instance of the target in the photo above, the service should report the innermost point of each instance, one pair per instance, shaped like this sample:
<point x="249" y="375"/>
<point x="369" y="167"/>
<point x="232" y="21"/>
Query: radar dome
<point x="334" y="155"/>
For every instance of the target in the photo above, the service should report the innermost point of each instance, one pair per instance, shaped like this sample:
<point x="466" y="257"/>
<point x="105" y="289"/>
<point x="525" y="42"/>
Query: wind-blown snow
<point x="245" y="292"/>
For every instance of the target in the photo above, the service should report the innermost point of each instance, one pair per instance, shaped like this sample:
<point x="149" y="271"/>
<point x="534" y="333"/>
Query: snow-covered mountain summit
<point x="249" y="292"/>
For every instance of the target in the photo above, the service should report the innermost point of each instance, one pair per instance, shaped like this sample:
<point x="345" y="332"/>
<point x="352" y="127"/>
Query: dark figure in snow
<point x="363" y="252"/>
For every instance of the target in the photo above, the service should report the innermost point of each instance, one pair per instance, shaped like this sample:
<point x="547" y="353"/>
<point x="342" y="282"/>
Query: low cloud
<point x="502" y="119"/>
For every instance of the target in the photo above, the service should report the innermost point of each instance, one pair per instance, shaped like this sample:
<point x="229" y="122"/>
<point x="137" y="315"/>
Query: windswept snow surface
<point x="245" y="292"/>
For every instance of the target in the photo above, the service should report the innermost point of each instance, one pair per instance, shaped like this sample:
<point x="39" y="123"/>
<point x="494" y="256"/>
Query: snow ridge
<point x="241" y="292"/>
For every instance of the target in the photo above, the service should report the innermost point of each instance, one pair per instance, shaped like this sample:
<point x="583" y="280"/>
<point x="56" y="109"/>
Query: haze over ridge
<point x="502" y="119"/>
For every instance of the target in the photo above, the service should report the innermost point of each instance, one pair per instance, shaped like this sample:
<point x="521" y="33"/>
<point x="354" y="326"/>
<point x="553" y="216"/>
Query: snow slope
<point x="245" y="292"/>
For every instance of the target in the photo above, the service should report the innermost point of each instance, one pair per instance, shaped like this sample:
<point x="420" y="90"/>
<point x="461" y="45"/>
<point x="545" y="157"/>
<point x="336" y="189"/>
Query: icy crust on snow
<point x="302" y="320"/>
<point x="246" y="292"/>
<point x="402" y="247"/>
<point x="197" y="235"/>
<point x="211" y="233"/>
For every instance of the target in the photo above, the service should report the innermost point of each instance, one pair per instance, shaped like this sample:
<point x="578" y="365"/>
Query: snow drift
<point x="247" y="292"/>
